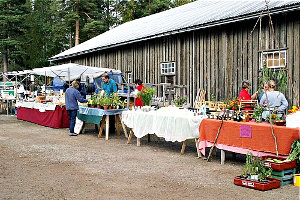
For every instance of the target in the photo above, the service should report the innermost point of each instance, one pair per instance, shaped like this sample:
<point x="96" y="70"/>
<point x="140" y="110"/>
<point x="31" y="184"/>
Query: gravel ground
<point x="38" y="162"/>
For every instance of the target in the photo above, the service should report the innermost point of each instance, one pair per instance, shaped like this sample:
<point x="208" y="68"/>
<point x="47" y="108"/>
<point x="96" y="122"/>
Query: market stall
<point x="51" y="115"/>
<point x="243" y="137"/>
<point x="171" y="123"/>
<point x="97" y="116"/>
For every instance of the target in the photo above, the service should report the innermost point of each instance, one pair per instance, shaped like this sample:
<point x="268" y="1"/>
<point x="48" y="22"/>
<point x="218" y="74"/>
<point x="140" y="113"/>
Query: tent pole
<point x="45" y="84"/>
<point x="69" y="75"/>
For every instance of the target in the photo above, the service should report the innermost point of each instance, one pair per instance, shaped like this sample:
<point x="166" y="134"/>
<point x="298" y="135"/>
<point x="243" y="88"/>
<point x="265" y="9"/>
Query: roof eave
<point x="187" y="29"/>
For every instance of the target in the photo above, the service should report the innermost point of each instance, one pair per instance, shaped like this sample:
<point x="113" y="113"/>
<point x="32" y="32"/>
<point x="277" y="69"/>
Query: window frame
<point x="168" y="68"/>
<point x="265" y="54"/>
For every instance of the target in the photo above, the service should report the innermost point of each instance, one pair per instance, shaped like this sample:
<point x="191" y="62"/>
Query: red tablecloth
<point x="261" y="140"/>
<point x="57" y="118"/>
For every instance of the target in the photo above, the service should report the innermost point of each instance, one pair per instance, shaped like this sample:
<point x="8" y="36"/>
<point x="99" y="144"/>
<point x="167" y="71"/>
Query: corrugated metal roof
<point x="198" y="13"/>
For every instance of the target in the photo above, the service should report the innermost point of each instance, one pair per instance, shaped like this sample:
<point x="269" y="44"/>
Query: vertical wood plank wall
<point x="215" y="59"/>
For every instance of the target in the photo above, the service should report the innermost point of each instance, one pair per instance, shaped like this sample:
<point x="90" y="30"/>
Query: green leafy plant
<point x="255" y="166"/>
<point x="273" y="117"/>
<point x="106" y="101"/>
<point x="295" y="153"/>
<point x="116" y="100"/>
<point x="257" y="115"/>
<point x="146" y="93"/>
<point x="94" y="100"/>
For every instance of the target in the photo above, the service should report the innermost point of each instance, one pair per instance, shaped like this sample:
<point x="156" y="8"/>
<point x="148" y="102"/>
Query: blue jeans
<point x="72" y="117"/>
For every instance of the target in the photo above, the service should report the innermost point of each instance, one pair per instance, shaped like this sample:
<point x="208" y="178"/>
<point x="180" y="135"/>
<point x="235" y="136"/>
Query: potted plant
<point x="121" y="104"/>
<point x="257" y="115"/>
<point x="179" y="101"/>
<point x="106" y="101"/>
<point x="115" y="101"/>
<point x="256" y="175"/>
<point x="146" y="94"/>
<point x="94" y="101"/>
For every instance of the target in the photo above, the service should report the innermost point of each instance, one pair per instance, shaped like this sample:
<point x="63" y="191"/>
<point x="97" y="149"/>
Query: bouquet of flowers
<point x="179" y="101"/>
<point x="294" y="109"/>
<point x="233" y="104"/>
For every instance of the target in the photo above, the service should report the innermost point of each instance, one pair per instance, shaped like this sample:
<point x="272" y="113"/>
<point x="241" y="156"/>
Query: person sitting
<point x="277" y="101"/>
<point x="244" y="94"/>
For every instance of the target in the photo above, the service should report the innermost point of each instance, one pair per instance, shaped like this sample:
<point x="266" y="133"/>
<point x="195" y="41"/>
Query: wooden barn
<point x="211" y="45"/>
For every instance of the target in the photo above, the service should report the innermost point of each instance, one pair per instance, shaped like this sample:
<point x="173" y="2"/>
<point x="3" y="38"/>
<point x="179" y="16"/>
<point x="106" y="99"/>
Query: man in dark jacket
<point x="71" y="97"/>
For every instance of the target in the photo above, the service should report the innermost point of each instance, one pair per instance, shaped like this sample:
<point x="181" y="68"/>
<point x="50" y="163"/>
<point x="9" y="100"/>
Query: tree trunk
<point x="5" y="66"/>
<point x="77" y="24"/>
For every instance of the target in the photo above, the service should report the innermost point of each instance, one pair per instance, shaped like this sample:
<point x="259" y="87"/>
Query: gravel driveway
<point x="38" y="162"/>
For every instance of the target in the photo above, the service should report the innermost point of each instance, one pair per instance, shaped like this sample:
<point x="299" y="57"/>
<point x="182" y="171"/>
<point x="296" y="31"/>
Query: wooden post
<point x="106" y="127"/>
<point x="130" y="136"/>
<point x="183" y="147"/>
<point x="101" y="127"/>
<point x="118" y="125"/>
<point x="138" y="142"/>
<point x="123" y="126"/>
<point x="222" y="157"/>
<point x="197" y="146"/>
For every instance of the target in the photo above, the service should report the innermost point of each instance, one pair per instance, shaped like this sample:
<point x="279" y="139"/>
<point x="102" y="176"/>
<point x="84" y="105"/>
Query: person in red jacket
<point x="139" y="87"/>
<point x="244" y="94"/>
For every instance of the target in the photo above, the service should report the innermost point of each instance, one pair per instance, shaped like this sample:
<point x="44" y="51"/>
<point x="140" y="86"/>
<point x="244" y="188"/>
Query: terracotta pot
<point x="98" y="106"/>
<point x="105" y="107"/>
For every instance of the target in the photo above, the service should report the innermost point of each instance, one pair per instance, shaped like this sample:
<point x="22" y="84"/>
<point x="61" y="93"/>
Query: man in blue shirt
<point x="71" y="97"/>
<point x="109" y="85"/>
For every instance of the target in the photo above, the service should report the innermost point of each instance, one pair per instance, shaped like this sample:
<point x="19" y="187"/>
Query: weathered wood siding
<point x="215" y="59"/>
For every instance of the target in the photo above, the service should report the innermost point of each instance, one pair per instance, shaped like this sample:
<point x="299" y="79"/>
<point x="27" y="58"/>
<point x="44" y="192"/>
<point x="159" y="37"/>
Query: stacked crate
<point x="283" y="171"/>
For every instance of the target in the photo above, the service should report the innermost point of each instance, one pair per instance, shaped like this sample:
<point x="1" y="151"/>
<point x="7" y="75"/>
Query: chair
<point x="250" y="105"/>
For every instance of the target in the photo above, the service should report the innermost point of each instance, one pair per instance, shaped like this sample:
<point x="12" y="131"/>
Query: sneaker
<point x="73" y="134"/>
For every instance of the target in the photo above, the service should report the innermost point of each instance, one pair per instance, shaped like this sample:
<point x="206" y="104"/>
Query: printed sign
<point x="245" y="131"/>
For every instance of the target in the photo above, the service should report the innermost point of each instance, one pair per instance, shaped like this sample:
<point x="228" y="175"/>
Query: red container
<point x="279" y="166"/>
<point x="272" y="183"/>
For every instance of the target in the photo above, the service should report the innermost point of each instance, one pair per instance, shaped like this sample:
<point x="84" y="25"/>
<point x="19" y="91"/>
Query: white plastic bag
<point x="78" y="126"/>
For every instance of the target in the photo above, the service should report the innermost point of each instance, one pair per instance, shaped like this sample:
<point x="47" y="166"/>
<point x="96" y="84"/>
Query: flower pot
<point x="105" y="107"/>
<point x="254" y="177"/>
<point x="92" y="106"/>
<point x="98" y="106"/>
<point x="270" y="183"/>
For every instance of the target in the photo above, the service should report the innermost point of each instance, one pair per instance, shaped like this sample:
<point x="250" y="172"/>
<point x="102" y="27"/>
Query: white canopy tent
<point x="71" y="71"/>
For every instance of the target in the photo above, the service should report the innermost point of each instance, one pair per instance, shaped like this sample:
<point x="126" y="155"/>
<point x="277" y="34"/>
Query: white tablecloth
<point x="172" y="124"/>
<point x="39" y="106"/>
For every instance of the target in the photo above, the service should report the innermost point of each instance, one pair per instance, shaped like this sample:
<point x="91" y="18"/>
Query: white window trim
<point x="167" y="68"/>
<point x="273" y="52"/>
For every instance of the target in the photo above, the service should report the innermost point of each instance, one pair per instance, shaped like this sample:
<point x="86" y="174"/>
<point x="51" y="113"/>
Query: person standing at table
<point x="139" y="87"/>
<point x="277" y="100"/>
<point x="244" y="94"/>
<point x="109" y="86"/>
<point x="72" y="95"/>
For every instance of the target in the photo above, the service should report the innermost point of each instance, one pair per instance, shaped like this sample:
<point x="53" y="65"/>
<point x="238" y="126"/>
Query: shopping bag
<point x="78" y="126"/>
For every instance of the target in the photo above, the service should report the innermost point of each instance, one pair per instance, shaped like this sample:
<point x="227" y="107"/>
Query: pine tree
<point x="12" y="17"/>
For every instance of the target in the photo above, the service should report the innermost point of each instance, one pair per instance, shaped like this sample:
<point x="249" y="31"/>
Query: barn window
<point x="272" y="59"/>
<point x="167" y="68"/>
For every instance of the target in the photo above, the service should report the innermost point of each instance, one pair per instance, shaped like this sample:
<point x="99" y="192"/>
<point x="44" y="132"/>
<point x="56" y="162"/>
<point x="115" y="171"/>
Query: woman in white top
<point x="277" y="100"/>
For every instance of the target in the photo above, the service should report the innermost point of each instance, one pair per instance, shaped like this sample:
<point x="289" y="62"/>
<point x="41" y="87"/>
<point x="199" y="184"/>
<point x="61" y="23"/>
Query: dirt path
<point x="37" y="162"/>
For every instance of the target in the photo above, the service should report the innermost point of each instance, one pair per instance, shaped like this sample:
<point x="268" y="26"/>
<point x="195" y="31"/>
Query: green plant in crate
<point x="255" y="166"/>
<point x="146" y="93"/>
